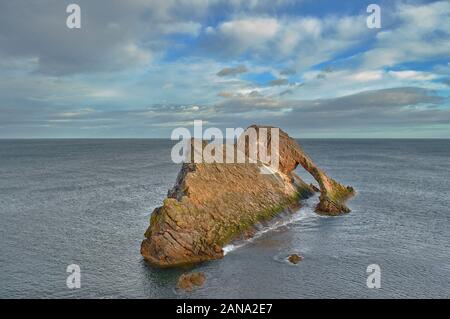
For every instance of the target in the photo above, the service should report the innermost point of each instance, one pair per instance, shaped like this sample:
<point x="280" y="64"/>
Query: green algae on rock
<point x="212" y="204"/>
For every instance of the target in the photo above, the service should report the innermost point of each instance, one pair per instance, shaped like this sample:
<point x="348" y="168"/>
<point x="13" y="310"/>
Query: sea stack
<point x="212" y="204"/>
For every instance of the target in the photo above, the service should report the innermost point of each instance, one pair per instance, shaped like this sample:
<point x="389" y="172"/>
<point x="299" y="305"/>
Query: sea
<point x="88" y="202"/>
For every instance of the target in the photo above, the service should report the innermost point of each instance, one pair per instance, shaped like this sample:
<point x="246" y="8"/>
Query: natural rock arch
<point x="212" y="204"/>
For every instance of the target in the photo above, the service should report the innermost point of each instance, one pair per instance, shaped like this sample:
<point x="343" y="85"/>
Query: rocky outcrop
<point x="212" y="204"/>
<point x="294" y="259"/>
<point x="190" y="281"/>
<point x="333" y="195"/>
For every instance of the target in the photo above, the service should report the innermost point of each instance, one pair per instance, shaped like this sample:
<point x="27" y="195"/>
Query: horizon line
<point x="165" y="138"/>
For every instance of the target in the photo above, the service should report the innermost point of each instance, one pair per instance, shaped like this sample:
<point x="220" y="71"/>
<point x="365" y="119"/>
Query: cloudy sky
<point x="140" y="68"/>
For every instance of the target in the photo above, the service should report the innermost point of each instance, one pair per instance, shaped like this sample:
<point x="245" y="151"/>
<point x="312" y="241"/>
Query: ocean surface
<point x="88" y="202"/>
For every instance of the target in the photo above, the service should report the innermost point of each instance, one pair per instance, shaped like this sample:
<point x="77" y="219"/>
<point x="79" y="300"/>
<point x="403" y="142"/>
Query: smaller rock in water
<point x="188" y="281"/>
<point x="294" y="259"/>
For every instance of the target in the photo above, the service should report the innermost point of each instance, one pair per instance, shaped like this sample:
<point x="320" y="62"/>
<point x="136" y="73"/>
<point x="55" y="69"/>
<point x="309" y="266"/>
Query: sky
<point x="141" y="68"/>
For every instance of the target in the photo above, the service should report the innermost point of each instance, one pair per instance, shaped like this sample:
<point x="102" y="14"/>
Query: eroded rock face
<point x="212" y="204"/>
<point x="333" y="194"/>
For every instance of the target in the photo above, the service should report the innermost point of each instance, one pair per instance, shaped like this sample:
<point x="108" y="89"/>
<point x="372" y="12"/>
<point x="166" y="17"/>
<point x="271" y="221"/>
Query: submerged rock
<point x="212" y="204"/>
<point x="189" y="281"/>
<point x="294" y="259"/>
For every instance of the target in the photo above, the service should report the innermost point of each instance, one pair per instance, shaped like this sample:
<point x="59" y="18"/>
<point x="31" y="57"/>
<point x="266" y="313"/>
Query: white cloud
<point x="189" y="27"/>
<point x="365" y="76"/>
<point x="250" y="32"/>
<point x="104" y="93"/>
<point x="77" y="113"/>
<point x="116" y="60"/>
<point x="135" y="55"/>
<point x="303" y="40"/>
<point x="412" y="75"/>
<point x="320" y="84"/>
<point x="422" y="32"/>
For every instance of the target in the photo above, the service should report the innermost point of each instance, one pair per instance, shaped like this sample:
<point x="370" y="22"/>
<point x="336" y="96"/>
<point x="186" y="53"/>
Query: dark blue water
<point x="88" y="202"/>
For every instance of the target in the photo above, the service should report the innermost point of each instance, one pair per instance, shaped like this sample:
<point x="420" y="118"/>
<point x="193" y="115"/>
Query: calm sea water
<point x="88" y="202"/>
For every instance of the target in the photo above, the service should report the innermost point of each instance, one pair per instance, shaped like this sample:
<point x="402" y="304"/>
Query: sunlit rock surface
<point x="213" y="203"/>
